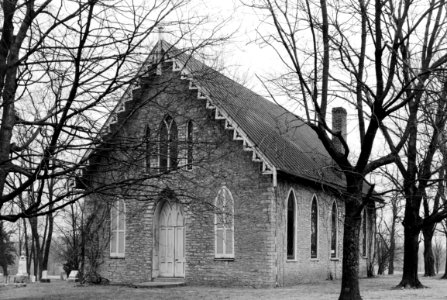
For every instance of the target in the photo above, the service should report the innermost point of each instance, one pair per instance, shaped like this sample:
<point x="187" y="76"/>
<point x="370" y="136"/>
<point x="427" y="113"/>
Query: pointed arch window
<point x="189" y="137"/>
<point x="334" y="230"/>
<point x="291" y="213"/>
<point x="148" y="148"/>
<point x="314" y="228"/>
<point x="224" y="224"/>
<point x="364" y="233"/>
<point x="168" y="147"/>
<point x="118" y="229"/>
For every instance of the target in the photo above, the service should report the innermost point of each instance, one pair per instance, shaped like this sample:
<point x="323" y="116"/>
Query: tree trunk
<point x="350" y="277"/>
<point x="445" y="269"/>
<point x="380" y="260"/>
<point x="46" y="247"/>
<point x="371" y="213"/>
<point x="37" y="248"/>
<point x="392" y="240"/>
<point x="5" y="270"/>
<point x="429" y="257"/>
<point x="411" y="248"/>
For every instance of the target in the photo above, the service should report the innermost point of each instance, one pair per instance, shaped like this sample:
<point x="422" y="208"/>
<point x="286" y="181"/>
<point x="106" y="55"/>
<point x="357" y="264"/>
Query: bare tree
<point x="386" y="236"/>
<point x="361" y="54"/>
<point x="61" y="65"/>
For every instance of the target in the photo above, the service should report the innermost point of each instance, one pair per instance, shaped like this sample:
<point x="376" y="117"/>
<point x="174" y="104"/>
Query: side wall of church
<point x="303" y="267"/>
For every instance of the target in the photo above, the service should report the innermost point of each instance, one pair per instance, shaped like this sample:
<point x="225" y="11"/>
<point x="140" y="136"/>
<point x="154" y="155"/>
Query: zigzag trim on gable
<point x="238" y="133"/>
<point x="219" y="114"/>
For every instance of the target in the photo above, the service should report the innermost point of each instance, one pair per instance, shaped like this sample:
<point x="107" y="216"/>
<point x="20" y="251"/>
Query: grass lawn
<point x="376" y="288"/>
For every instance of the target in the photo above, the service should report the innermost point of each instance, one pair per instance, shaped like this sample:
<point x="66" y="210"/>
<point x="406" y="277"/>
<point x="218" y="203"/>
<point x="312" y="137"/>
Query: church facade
<point x="217" y="185"/>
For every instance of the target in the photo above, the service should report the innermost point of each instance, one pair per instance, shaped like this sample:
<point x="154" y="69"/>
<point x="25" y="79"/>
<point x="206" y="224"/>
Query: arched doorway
<point x="171" y="246"/>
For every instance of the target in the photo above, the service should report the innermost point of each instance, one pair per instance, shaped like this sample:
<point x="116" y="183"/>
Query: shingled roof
<point x="281" y="137"/>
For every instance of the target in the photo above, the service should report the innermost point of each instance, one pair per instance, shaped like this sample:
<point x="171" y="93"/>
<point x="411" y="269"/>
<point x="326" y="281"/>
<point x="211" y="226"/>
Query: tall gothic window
<point x="364" y="233"/>
<point x="224" y="224"/>
<point x="189" y="136"/>
<point x="334" y="228"/>
<point x="118" y="229"/>
<point x="168" y="148"/>
<point x="291" y="213"/>
<point x="314" y="228"/>
<point x="148" y="148"/>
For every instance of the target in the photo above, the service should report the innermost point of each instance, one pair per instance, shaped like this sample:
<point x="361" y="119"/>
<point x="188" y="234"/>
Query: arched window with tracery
<point x="168" y="147"/>
<point x="118" y="229"/>
<point x="291" y="215"/>
<point x="224" y="224"/>
<point x="334" y="229"/>
<point x="314" y="228"/>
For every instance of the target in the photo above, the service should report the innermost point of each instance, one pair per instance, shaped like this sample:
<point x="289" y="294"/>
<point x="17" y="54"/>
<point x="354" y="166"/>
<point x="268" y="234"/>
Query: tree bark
<point x="392" y="239"/>
<point x="371" y="218"/>
<point x="411" y="247"/>
<point x="37" y="248"/>
<point x="46" y="250"/>
<point x="5" y="270"/>
<point x="351" y="245"/>
<point x="445" y="269"/>
<point x="429" y="258"/>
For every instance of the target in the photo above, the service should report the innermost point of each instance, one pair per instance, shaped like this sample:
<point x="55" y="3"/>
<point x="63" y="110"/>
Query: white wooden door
<point x="172" y="236"/>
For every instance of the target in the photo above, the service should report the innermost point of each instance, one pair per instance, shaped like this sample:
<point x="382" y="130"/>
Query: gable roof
<point x="283" y="138"/>
<point x="279" y="139"/>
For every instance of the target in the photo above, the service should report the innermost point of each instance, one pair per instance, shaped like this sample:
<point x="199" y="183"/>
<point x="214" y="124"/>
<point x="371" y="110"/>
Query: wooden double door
<point x="172" y="241"/>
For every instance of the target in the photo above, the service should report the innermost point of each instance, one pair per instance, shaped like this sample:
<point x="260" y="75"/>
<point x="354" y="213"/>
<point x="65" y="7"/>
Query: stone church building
<point x="211" y="183"/>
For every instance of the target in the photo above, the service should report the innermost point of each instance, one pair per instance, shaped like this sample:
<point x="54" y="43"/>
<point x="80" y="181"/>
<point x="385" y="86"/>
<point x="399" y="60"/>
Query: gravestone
<point x="73" y="276"/>
<point x="63" y="276"/>
<point x="22" y="265"/>
<point x="22" y="275"/>
<point x="45" y="276"/>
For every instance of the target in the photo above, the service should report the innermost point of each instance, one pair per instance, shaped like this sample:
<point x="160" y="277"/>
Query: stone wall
<point x="304" y="268"/>
<point x="218" y="161"/>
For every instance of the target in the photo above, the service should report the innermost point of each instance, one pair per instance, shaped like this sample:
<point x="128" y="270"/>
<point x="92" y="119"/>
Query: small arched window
<point x="118" y="229"/>
<point x="224" y="224"/>
<point x="364" y="234"/>
<point x="148" y="148"/>
<point x="168" y="147"/>
<point x="334" y="229"/>
<point x="189" y="136"/>
<point x="291" y="213"/>
<point x="314" y="228"/>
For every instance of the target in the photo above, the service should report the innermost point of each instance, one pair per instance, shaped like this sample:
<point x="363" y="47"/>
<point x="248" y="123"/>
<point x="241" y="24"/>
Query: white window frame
<point x="168" y="144"/>
<point x="231" y="228"/>
<point x="117" y="231"/>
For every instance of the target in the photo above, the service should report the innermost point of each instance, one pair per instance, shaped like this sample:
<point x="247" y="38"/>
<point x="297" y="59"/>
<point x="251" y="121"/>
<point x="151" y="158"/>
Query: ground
<point x="376" y="288"/>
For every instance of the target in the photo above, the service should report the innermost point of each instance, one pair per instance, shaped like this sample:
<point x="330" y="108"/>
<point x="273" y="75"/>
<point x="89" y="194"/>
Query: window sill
<point x="116" y="257"/>
<point x="291" y="260"/>
<point x="335" y="259"/>
<point x="224" y="259"/>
